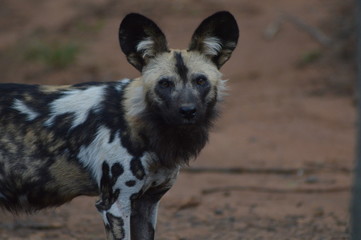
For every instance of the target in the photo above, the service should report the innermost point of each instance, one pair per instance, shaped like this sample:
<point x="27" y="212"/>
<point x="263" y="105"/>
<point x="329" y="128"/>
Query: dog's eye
<point x="201" y="80"/>
<point x="165" y="83"/>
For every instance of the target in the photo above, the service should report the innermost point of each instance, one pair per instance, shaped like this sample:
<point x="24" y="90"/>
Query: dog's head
<point x="181" y="87"/>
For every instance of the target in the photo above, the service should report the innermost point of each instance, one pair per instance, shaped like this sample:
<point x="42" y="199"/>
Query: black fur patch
<point x="177" y="145"/>
<point x="180" y="67"/>
<point x="76" y="137"/>
<point x="31" y="95"/>
<point x="116" y="226"/>
<point x="130" y="183"/>
<point x="173" y="144"/>
<point x="112" y="116"/>
<point x="137" y="168"/>
<point x="108" y="194"/>
<point x="2" y="170"/>
<point x="117" y="170"/>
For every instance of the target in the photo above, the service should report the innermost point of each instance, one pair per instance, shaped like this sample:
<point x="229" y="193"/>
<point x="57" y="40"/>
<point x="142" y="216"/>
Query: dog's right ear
<point x="141" y="39"/>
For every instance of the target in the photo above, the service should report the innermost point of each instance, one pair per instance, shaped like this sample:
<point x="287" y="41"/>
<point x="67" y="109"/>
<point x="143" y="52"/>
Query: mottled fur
<point x="124" y="141"/>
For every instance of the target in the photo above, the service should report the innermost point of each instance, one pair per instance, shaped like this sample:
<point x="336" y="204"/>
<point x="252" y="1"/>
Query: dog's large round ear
<point x="216" y="37"/>
<point x="140" y="39"/>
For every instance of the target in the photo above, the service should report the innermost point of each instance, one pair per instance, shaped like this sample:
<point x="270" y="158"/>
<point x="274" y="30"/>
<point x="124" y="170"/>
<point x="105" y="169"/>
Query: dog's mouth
<point x="184" y="122"/>
<point x="188" y="122"/>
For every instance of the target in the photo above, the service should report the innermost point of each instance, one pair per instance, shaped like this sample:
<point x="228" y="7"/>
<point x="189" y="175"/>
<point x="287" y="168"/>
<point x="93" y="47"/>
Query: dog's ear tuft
<point x="216" y="37"/>
<point x="140" y="39"/>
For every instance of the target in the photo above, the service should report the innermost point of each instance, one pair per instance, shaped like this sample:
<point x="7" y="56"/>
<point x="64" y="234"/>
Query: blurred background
<point x="279" y="161"/>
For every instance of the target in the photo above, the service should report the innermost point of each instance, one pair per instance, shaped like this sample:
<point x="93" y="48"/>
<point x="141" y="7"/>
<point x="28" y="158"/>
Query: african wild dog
<point x="124" y="140"/>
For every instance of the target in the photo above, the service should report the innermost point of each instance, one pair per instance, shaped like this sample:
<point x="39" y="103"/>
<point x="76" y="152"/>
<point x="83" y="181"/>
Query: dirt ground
<point x="279" y="162"/>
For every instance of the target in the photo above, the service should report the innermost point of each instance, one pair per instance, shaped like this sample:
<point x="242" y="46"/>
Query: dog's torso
<point x="57" y="142"/>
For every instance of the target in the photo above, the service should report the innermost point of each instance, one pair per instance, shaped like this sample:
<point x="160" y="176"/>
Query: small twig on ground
<point x="275" y="190"/>
<point x="314" y="32"/>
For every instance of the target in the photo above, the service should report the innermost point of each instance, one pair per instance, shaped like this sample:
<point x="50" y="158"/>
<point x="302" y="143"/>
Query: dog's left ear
<point x="140" y="39"/>
<point x="216" y="37"/>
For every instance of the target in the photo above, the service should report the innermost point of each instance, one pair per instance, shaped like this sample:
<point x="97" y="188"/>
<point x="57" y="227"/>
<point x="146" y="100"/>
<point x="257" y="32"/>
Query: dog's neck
<point x="176" y="145"/>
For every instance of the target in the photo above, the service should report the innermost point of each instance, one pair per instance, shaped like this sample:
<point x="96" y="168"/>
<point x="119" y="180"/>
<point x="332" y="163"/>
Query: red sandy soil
<point x="288" y="122"/>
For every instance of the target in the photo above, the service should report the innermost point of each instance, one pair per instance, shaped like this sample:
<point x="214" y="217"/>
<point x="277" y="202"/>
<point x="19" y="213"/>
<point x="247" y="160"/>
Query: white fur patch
<point x="146" y="47"/>
<point x="122" y="83"/>
<point x="100" y="150"/>
<point x="212" y="46"/>
<point x="24" y="109"/>
<point x="78" y="102"/>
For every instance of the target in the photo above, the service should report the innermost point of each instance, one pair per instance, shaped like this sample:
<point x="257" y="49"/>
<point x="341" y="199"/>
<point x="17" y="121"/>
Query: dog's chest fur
<point x="56" y="143"/>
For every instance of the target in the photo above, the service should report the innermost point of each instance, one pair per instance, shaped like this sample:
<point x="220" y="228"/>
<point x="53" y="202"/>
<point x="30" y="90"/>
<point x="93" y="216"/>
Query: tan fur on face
<point x="163" y="65"/>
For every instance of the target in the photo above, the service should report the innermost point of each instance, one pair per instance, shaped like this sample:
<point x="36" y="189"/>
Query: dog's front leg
<point x="116" y="219"/>
<point x="114" y="206"/>
<point x="144" y="214"/>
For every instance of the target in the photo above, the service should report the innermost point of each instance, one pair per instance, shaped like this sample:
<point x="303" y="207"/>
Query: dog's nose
<point x="188" y="112"/>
